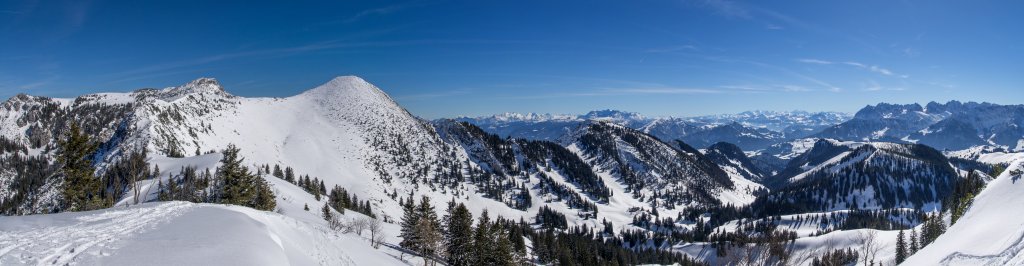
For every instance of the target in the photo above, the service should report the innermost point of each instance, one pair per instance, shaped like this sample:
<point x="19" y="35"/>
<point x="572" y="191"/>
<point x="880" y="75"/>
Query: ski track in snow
<point x="93" y="233"/>
<point x="1010" y="256"/>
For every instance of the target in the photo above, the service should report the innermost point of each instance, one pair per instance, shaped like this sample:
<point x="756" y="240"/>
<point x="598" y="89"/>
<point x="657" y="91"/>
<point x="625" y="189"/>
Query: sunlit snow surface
<point x="991" y="232"/>
<point x="180" y="233"/>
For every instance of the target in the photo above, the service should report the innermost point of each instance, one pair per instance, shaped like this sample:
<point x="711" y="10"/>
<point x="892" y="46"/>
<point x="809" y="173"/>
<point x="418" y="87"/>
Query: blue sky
<point x="449" y="58"/>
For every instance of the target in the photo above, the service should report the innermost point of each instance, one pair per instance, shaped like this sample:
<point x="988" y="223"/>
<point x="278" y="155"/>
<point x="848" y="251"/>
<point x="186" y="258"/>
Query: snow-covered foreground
<point x="991" y="232"/>
<point x="181" y="233"/>
<point x="881" y="247"/>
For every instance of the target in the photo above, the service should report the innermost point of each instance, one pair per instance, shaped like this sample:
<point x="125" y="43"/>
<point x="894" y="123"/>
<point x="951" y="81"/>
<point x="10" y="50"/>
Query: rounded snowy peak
<point x="351" y="88"/>
<point x="352" y="94"/>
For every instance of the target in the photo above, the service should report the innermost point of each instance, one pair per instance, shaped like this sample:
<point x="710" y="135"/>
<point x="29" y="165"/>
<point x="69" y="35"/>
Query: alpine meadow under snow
<point x="342" y="175"/>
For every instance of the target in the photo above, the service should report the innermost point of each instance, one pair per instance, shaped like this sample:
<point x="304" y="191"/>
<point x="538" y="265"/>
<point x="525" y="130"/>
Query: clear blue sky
<point x="448" y="58"/>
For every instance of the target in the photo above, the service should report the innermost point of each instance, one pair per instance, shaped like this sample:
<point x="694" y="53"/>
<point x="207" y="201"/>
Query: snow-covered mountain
<point x="639" y="177"/>
<point x="731" y="159"/>
<point x="746" y="137"/>
<point x="953" y="125"/>
<point x="986" y="154"/>
<point x="835" y="175"/>
<point x="749" y="130"/>
<point x="786" y="122"/>
<point x="677" y="176"/>
<point x="353" y="130"/>
<point x="349" y="133"/>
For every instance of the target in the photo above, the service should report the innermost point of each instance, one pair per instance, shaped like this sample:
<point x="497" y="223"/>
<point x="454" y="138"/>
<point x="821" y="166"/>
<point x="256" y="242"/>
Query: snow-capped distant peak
<point x="613" y="115"/>
<point x="534" y="117"/>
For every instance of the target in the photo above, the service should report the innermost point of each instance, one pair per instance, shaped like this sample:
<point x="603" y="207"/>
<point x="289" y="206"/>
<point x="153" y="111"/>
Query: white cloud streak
<point x="871" y="68"/>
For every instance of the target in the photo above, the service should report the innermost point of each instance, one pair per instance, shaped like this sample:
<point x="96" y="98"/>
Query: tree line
<point x="455" y="240"/>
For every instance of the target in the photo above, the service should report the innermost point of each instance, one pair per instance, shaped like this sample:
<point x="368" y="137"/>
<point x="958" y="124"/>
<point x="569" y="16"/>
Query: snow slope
<point x="805" y="249"/>
<point x="991" y="232"/>
<point x="180" y="233"/>
<point x="987" y="154"/>
<point x="198" y="234"/>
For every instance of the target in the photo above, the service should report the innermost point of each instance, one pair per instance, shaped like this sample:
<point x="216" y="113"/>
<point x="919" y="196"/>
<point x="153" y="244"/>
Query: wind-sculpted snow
<point x="61" y="239"/>
<point x="990" y="232"/>
<point x="180" y="233"/>
<point x="1012" y="255"/>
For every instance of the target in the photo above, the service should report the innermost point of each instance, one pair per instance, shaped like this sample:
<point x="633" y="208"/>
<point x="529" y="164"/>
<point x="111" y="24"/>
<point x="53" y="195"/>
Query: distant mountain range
<point x="750" y="130"/>
<point x="950" y="126"/>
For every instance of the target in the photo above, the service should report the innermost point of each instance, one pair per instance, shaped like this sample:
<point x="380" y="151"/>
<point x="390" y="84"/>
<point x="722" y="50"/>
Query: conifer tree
<point x="913" y="241"/>
<point x="240" y="187"/>
<point x="289" y="174"/>
<point x="410" y="218"/>
<point x="518" y="244"/>
<point x="482" y="241"/>
<point x="81" y="189"/>
<point x="459" y="235"/>
<point x="326" y="211"/>
<point x="429" y="237"/>
<point x="277" y="172"/>
<point x="502" y="248"/>
<point x="901" y="248"/>
<point x="428" y="230"/>
<point x="265" y="199"/>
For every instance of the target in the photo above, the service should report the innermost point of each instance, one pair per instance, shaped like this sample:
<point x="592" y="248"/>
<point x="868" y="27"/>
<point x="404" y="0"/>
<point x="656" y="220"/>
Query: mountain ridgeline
<point x="950" y="126"/>
<point x="363" y="141"/>
<point x="840" y="176"/>
<point x="660" y="179"/>
<point x="583" y="162"/>
<point x="645" y="164"/>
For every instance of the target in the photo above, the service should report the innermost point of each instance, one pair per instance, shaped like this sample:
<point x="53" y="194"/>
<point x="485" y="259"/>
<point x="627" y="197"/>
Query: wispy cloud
<point x="774" y="20"/>
<point x="376" y="11"/>
<point x="910" y="52"/>
<point x="871" y="68"/>
<point x="884" y="89"/>
<point x="793" y="88"/>
<point x="26" y="85"/>
<point x="286" y="51"/>
<point x="36" y="84"/>
<point x="673" y="49"/>
<point x="814" y="61"/>
<point x="770" y="19"/>
<point x="620" y="92"/>
<point x="380" y="11"/>
<point x="786" y="88"/>
<point x="826" y="85"/>
<point x="425" y="96"/>
<point x="667" y="91"/>
<point x="874" y="86"/>
<point x="635" y="91"/>
<point x="726" y="8"/>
